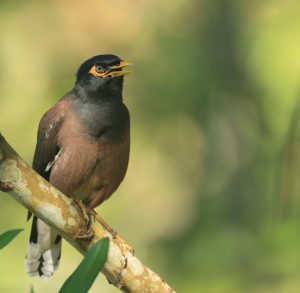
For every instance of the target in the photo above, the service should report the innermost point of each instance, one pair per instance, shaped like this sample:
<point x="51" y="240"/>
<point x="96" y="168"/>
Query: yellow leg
<point x="89" y="217"/>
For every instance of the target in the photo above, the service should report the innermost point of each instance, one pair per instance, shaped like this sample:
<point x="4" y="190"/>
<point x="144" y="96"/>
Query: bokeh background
<point x="211" y="200"/>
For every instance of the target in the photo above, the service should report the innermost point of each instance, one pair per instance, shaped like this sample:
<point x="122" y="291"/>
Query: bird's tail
<point x="43" y="250"/>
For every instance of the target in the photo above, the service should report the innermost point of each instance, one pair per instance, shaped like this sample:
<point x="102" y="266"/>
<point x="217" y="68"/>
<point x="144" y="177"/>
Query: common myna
<point x="82" y="149"/>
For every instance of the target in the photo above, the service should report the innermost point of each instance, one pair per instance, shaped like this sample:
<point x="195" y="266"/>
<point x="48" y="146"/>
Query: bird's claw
<point x="89" y="234"/>
<point x="89" y="217"/>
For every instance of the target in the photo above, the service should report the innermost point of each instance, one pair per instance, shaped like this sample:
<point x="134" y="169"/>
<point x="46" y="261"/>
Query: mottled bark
<point x="123" y="269"/>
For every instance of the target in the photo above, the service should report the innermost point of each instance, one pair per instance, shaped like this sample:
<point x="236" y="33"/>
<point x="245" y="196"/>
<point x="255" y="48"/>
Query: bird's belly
<point x="89" y="165"/>
<point x="108" y="172"/>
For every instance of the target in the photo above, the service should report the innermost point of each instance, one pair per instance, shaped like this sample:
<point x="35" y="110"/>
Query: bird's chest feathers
<point x="109" y="120"/>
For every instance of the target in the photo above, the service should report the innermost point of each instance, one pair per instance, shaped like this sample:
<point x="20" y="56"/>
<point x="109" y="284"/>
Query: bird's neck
<point x="94" y="96"/>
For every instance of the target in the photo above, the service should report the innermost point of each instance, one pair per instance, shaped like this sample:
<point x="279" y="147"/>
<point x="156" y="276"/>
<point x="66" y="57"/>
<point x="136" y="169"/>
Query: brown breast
<point x="86" y="164"/>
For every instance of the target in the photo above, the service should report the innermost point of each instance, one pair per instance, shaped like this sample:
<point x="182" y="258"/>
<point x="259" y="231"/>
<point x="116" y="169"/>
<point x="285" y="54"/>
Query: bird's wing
<point x="47" y="148"/>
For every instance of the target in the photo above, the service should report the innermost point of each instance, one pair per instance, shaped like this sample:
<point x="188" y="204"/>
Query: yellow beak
<point x="120" y="72"/>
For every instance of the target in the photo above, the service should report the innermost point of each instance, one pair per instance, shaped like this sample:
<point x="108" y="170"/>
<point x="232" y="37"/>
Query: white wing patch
<point x="51" y="163"/>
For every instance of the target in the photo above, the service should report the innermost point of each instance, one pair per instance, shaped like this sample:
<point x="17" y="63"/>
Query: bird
<point x="83" y="145"/>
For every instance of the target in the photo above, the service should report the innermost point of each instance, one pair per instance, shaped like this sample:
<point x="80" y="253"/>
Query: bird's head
<point x="102" y="73"/>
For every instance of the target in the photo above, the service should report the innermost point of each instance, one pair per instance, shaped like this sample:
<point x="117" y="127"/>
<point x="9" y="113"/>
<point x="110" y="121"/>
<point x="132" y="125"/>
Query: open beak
<point x="112" y="72"/>
<point x="120" y="72"/>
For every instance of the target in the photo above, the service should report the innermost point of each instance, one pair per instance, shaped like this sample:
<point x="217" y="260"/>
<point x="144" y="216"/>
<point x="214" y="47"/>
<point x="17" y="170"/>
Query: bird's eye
<point x="100" y="69"/>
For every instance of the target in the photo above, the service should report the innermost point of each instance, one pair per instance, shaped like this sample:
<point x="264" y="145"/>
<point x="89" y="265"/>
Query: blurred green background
<point x="211" y="198"/>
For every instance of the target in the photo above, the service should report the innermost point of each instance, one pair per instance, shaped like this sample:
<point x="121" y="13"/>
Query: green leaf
<point x="8" y="236"/>
<point x="83" y="277"/>
<point x="31" y="289"/>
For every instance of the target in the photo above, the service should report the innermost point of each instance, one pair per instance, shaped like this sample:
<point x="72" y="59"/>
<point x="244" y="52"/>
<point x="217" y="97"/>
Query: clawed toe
<point x="89" y="217"/>
<point x="89" y="234"/>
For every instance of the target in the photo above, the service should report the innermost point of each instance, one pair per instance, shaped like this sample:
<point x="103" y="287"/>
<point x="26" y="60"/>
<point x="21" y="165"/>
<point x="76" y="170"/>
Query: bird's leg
<point x="82" y="209"/>
<point x="94" y="200"/>
<point x="89" y="217"/>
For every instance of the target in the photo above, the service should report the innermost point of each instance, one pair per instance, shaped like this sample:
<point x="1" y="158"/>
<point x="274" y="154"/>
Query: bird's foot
<point x="83" y="210"/>
<point x="89" y="217"/>
<point x="88" y="234"/>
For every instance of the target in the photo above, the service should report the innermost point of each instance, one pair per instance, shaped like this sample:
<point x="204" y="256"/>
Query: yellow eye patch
<point x="104" y="72"/>
<point x="94" y="71"/>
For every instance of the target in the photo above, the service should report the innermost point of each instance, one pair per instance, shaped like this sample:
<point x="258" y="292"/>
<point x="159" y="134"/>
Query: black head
<point x="102" y="74"/>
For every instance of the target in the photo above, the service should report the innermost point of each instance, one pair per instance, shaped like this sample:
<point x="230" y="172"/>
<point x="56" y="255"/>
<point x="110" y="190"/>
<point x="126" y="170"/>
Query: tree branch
<point x="122" y="269"/>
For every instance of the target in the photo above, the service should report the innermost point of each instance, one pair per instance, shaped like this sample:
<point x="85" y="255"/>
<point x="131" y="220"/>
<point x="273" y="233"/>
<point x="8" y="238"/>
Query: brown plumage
<point x="82" y="149"/>
<point x="88" y="168"/>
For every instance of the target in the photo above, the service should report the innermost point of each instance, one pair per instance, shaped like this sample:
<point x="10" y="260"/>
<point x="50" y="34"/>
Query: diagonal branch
<point x="122" y="269"/>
